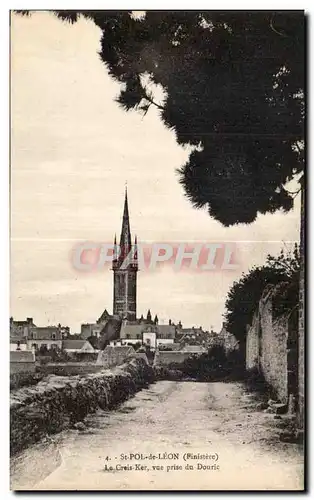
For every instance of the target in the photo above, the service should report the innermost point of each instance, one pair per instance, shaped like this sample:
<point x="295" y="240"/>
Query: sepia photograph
<point x="157" y="268"/>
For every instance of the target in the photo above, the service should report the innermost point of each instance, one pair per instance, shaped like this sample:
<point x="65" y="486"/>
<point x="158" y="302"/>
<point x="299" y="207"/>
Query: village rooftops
<point x="76" y="344"/>
<point x="119" y="348"/>
<point x="28" y="321"/>
<point x="191" y="331"/>
<point x="136" y="331"/>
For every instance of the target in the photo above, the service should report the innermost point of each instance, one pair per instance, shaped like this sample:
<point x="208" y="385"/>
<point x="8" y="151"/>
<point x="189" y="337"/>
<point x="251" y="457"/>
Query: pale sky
<point x="73" y="149"/>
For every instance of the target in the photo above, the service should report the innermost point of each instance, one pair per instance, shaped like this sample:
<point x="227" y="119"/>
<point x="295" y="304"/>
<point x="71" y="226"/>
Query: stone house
<point x="21" y="329"/>
<point x="114" y="355"/>
<point x="151" y="335"/>
<point x="91" y="330"/>
<point x="77" y="346"/>
<point x="45" y="336"/>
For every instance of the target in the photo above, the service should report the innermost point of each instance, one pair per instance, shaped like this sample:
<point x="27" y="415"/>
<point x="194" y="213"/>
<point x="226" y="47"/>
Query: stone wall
<point x="301" y="317"/>
<point x="252" y="343"/>
<point x="271" y="349"/>
<point x="56" y="402"/>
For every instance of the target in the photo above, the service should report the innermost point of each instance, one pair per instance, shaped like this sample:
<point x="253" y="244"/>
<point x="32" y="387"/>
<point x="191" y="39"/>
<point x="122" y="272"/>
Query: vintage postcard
<point x="157" y="250"/>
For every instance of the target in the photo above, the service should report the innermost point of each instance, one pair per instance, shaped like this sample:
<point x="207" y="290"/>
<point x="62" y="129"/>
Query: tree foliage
<point x="233" y="89"/>
<point x="280" y="275"/>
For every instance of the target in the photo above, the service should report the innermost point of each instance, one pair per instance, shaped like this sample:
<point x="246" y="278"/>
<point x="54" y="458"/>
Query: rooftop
<point x="73" y="344"/>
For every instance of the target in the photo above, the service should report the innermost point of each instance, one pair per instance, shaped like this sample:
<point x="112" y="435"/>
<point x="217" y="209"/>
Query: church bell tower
<point x="125" y="267"/>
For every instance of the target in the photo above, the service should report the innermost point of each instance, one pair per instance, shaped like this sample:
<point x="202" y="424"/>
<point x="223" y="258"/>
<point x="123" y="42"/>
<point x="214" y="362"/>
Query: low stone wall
<point x="69" y="368"/>
<point x="57" y="402"/>
<point x="22" y="367"/>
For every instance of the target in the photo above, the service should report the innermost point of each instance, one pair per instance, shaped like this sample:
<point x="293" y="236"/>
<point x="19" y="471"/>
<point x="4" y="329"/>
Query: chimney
<point x="29" y="321"/>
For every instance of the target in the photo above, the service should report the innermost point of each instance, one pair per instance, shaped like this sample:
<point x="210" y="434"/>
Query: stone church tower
<point x="125" y="267"/>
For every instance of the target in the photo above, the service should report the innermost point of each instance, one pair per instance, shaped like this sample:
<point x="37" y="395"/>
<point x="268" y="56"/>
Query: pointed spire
<point x="149" y="316"/>
<point x="125" y="237"/>
<point x="115" y="249"/>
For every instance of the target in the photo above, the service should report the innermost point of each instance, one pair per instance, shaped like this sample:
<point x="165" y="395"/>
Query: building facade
<point x="49" y="337"/>
<point x="21" y="329"/>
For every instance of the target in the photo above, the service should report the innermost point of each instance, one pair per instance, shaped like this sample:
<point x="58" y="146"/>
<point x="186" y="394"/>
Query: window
<point x="34" y="346"/>
<point x="53" y="336"/>
<point x="127" y="335"/>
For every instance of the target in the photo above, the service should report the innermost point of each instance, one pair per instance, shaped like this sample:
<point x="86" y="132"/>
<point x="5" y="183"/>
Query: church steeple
<point x="125" y="267"/>
<point x="125" y="237"/>
<point x="115" y="249"/>
<point x="149" y="316"/>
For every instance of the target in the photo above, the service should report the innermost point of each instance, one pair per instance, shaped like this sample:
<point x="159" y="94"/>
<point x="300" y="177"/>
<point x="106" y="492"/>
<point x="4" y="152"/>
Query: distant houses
<point x="115" y="339"/>
<point x="108" y="330"/>
<point x="77" y="346"/>
<point x="26" y="336"/>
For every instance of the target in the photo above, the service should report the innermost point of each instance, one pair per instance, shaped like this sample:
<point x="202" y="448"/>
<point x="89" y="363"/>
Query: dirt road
<point x="174" y="435"/>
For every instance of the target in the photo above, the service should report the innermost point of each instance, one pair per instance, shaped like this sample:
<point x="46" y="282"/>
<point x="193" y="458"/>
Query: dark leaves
<point x="281" y="276"/>
<point x="235" y="87"/>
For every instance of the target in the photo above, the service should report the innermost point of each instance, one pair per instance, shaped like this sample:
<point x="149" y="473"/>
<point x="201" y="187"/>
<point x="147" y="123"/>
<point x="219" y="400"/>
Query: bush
<point x="22" y="379"/>
<point x="214" y="365"/>
<point x="167" y="373"/>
